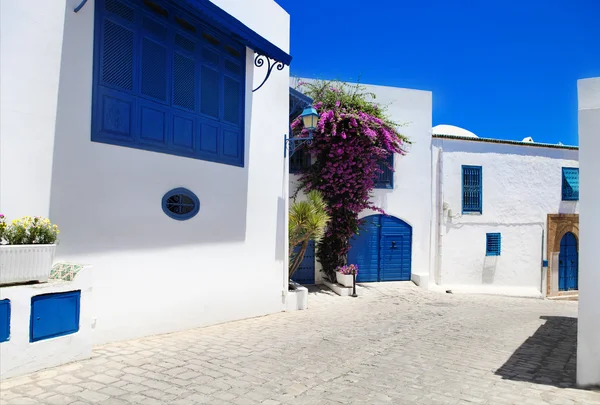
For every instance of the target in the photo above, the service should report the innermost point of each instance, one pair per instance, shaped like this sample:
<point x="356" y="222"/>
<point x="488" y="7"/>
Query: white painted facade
<point x="588" y="340"/>
<point x="522" y="184"/>
<point x="153" y="274"/>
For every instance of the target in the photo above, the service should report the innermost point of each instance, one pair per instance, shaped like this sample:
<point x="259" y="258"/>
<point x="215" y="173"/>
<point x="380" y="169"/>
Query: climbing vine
<point x="352" y="137"/>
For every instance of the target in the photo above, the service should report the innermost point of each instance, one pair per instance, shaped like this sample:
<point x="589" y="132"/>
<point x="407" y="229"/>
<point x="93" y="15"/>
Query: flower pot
<point x="23" y="263"/>
<point x="344" y="279"/>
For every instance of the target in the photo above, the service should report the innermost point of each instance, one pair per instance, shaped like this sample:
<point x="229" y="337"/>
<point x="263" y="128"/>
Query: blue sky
<point x="499" y="68"/>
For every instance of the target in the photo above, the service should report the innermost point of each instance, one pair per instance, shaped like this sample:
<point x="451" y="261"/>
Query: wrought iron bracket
<point x="259" y="61"/>
<point x="295" y="143"/>
<point x="80" y="6"/>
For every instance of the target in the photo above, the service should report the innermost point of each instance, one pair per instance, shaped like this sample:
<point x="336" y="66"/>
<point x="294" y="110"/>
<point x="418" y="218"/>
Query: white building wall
<point x="410" y="199"/>
<point x="588" y="340"/>
<point x="521" y="185"/>
<point x="154" y="274"/>
<point x="31" y="35"/>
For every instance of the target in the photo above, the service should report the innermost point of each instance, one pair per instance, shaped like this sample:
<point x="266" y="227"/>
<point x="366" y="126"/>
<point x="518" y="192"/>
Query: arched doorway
<point x="382" y="249"/>
<point x="568" y="263"/>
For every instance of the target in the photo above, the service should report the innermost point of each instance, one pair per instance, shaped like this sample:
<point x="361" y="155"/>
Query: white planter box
<point x="22" y="263"/>
<point x="344" y="279"/>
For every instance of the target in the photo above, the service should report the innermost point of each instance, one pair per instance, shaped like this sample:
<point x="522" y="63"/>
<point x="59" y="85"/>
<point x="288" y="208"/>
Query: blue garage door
<point x="306" y="272"/>
<point x="382" y="249"/>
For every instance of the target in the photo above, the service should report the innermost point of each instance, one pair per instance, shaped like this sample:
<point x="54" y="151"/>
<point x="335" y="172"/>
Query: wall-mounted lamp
<point x="310" y="117"/>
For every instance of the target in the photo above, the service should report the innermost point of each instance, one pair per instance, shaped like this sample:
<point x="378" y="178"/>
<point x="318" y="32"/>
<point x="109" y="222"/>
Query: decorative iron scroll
<point x="259" y="61"/>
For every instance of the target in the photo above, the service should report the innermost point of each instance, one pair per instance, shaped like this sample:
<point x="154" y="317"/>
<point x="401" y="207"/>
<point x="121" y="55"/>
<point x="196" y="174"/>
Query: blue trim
<point x="234" y="27"/>
<point x="80" y="6"/>
<point x="474" y="205"/>
<point x="493" y="244"/>
<point x="4" y="320"/>
<point x="182" y="192"/>
<point x="570" y="184"/>
<point x="54" y="315"/>
<point x="544" y="263"/>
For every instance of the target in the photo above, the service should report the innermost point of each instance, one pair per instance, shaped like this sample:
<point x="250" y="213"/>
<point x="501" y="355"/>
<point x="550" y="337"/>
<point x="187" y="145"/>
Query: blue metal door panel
<point x="54" y="315"/>
<point x="382" y="250"/>
<point x="306" y="272"/>
<point x="4" y="320"/>
<point x="568" y="263"/>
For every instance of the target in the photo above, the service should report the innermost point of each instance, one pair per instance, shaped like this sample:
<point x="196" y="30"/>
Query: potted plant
<point x="343" y="274"/>
<point x="27" y="247"/>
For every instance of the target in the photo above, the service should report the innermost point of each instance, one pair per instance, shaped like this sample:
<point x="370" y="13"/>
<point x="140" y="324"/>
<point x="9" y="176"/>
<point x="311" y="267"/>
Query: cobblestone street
<point x="396" y="344"/>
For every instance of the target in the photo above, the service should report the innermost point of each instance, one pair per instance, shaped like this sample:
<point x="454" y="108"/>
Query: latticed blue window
<point x="167" y="82"/>
<point x="570" y="184"/>
<point x="300" y="160"/>
<point x="180" y="204"/>
<point x="493" y="244"/>
<point x="386" y="177"/>
<point x="472" y="189"/>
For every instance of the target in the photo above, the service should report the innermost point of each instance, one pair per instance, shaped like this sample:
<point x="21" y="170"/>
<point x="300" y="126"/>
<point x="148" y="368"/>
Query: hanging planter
<point x="27" y="249"/>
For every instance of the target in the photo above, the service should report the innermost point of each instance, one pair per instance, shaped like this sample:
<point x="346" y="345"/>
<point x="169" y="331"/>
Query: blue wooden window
<point x="164" y="81"/>
<point x="386" y="177"/>
<point x="4" y="320"/>
<point x="493" y="244"/>
<point x="54" y="315"/>
<point x="570" y="184"/>
<point x="472" y="189"/>
<point x="300" y="160"/>
<point x="180" y="204"/>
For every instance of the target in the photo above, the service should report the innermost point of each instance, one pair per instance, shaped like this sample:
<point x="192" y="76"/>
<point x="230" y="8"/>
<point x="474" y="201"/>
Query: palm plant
<point x="307" y="221"/>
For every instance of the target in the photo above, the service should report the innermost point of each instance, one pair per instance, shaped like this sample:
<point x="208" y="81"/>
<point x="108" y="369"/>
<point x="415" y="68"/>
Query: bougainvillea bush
<point x="352" y="136"/>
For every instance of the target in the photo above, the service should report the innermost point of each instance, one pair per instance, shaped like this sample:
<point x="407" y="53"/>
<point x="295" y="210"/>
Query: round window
<point x="180" y="204"/>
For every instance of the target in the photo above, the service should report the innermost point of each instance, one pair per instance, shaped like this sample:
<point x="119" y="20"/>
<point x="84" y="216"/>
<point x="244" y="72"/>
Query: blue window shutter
<point x="570" y="184"/>
<point x="386" y="177"/>
<point x="493" y="244"/>
<point x="472" y="181"/>
<point x="300" y="160"/>
<point x="166" y="81"/>
<point x="4" y="320"/>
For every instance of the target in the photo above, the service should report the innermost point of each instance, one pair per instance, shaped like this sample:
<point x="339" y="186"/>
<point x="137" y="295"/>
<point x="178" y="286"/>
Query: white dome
<point x="452" y="130"/>
<point x="528" y="139"/>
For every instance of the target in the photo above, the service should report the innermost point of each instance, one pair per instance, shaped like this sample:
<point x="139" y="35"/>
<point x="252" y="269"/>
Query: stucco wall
<point x="521" y="185"/>
<point x="410" y="199"/>
<point x="588" y="347"/>
<point x="31" y="36"/>
<point x="154" y="274"/>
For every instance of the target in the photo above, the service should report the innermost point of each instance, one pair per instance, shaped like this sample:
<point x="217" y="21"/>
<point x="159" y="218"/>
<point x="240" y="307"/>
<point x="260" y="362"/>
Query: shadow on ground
<point x="548" y="357"/>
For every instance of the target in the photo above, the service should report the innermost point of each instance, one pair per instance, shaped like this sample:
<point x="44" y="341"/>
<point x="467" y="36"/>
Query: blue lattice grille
<point x="570" y="184"/>
<point x="184" y="82"/>
<point x="117" y="56"/>
<point x="472" y="188"/>
<point x="231" y="111"/>
<point x="300" y="160"/>
<point x="162" y="83"/>
<point x="493" y="244"/>
<point x="118" y="8"/>
<point x="385" y="179"/>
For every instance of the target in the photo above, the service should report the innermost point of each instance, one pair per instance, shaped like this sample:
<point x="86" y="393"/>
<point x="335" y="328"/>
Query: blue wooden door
<point x="568" y="266"/>
<point x="306" y="272"/>
<point x="382" y="250"/>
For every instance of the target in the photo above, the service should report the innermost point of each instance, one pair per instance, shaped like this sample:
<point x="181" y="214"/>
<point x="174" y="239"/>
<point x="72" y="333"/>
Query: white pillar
<point x="31" y="36"/>
<point x="588" y="339"/>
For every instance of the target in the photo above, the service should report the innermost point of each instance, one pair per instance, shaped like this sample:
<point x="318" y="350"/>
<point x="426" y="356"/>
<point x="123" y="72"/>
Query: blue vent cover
<point x="180" y="204"/>
<point x="54" y="315"/>
<point x="570" y="184"/>
<point x="493" y="244"/>
<point x="4" y="320"/>
<point x="472" y="189"/>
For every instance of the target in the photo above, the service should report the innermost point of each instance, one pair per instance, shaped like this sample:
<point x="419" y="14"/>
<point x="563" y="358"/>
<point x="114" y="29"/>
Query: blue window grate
<point x="493" y="244"/>
<point x="386" y="177"/>
<point x="472" y="189"/>
<point x="570" y="184"/>
<point x="300" y="160"/>
<point x="166" y="81"/>
<point x="180" y="204"/>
